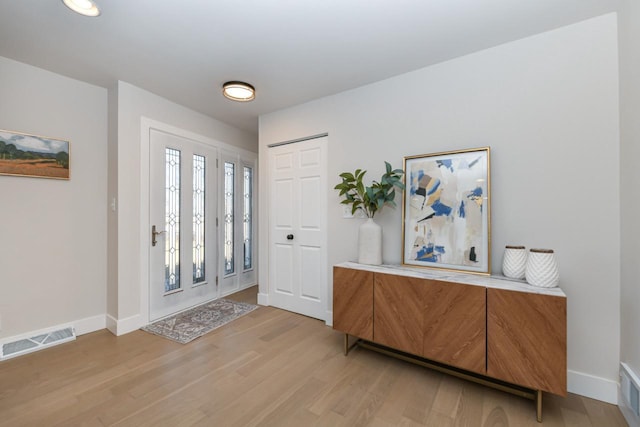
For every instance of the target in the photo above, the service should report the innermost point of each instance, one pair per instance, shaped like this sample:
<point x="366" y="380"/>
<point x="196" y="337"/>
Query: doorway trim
<point x="293" y="141"/>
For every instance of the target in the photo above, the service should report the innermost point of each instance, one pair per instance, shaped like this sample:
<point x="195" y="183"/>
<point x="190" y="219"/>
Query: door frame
<point x="264" y="243"/>
<point x="146" y="124"/>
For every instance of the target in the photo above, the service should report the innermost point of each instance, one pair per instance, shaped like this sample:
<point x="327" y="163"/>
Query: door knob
<point x="289" y="236"/>
<point x="154" y="234"/>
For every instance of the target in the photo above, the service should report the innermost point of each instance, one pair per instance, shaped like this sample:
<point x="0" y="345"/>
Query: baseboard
<point x="80" y="327"/>
<point x="90" y="324"/>
<point x="329" y="318"/>
<point x="263" y="299"/>
<point x="112" y="324"/>
<point x="593" y="387"/>
<point x="124" y="326"/>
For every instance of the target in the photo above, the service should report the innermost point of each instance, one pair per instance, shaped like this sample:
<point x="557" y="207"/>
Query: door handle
<point x="289" y="236"/>
<point x="154" y="234"/>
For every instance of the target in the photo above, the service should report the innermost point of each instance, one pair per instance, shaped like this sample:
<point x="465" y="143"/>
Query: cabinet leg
<point x="539" y="405"/>
<point x="346" y="344"/>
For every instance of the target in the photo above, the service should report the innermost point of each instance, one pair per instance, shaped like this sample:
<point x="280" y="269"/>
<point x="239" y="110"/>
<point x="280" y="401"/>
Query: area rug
<point x="193" y="323"/>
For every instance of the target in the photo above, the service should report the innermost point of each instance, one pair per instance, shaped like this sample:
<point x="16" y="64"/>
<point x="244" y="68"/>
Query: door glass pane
<point x="198" y="218"/>
<point x="172" y="220"/>
<point x="247" y="219"/>
<point x="229" y="190"/>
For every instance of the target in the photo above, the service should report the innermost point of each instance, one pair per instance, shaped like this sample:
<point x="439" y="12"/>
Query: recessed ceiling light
<point x="83" y="7"/>
<point x="239" y="91"/>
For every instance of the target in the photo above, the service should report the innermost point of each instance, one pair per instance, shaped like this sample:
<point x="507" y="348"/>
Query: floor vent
<point x="38" y="341"/>
<point x="630" y="391"/>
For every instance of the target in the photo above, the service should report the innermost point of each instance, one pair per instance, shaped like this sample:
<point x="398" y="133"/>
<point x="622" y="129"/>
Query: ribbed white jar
<point x="542" y="268"/>
<point x="370" y="243"/>
<point x="514" y="262"/>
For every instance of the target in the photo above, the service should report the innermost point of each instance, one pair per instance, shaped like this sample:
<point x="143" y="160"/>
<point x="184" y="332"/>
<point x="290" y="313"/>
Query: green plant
<point x="370" y="199"/>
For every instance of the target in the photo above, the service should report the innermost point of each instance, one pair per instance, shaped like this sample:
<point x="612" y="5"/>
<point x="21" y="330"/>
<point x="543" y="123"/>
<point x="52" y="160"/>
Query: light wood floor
<point x="270" y="368"/>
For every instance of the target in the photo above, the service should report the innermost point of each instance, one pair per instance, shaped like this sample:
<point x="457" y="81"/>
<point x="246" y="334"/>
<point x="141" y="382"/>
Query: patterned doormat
<point x="193" y="323"/>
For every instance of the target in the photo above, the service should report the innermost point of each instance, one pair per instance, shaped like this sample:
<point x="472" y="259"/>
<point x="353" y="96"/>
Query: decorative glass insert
<point x="172" y="220"/>
<point x="199" y="174"/>
<point x="247" y="217"/>
<point x="229" y="190"/>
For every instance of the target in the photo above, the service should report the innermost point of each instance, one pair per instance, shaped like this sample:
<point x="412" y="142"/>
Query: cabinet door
<point x="353" y="302"/>
<point x="527" y="339"/>
<point x="455" y="324"/>
<point x="398" y="316"/>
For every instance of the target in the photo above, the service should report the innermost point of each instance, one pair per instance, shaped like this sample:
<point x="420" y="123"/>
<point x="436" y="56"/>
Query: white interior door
<point x="183" y="235"/>
<point x="297" y="235"/>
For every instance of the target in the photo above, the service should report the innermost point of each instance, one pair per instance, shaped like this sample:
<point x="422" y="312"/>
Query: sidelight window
<point x="229" y="197"/>
<point x="199" y="211"/>
<point x="172" y="220"/>
<point x="248" y="218"/>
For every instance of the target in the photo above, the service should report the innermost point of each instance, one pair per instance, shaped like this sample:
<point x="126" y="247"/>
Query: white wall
<point x="630" y="178"/>
<point x="548" y="107"/>
<point x="53" y="232"/>
<point x="134" y="104"/>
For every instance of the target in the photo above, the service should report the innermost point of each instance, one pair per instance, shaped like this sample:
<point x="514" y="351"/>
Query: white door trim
<point x="146" y="124"/>
<point x="293" y="141"/>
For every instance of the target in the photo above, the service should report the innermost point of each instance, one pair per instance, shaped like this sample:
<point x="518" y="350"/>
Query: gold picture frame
<point x="23" y="154"/>
<point x="446" y="211"/>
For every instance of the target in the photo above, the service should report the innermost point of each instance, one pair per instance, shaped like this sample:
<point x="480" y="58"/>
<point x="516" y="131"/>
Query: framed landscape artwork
<point x="22" y="154"/>
<point x="446" y="211"/>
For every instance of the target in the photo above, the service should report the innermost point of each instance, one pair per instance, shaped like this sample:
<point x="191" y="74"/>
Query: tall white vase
<point x="370" y="243"/>
<point x="514" y="262"/>
<point x="542" y="268"/>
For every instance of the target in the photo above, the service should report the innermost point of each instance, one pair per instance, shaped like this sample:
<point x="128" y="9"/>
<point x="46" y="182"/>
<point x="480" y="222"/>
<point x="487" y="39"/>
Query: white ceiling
<point x="291" y="51"/>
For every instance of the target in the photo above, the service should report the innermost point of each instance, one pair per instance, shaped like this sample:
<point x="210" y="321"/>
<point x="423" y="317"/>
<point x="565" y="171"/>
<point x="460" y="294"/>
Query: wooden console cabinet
<point x="436" y="320"/>
<point x="527" y="339"/>
<point x="492" y="327"/>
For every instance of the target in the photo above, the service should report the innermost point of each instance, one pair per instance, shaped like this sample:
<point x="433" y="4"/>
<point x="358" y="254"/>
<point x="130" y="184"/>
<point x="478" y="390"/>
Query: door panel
<point x="310" y="203"/>
<point x="183" y="212"/>
<point x="311" y="272"/>
<point x="297" y="210"/>
<point x="398" y="306"/>
<point x="283" y="195"/>
<point x="284" y="269"/>
<point x="237" y="222"/>
<point x="455" y="318"/>
<point x="353" y="302"/>
<point x="527" y="339"/>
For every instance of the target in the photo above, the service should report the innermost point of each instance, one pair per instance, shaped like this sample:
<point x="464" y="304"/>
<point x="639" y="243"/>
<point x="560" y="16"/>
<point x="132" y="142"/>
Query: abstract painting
<point x="36" y="156"/>
<point x="446" y="211"/>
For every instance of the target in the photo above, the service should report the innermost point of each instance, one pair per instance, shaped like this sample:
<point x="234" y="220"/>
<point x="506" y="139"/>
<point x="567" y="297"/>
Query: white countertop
<point x="496" y="282"/>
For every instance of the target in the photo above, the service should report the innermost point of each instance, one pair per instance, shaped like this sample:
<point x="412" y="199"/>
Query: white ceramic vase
<point x="514" y="262"/>
<point x="370" y="243"/>
<point x="542" y="268"/>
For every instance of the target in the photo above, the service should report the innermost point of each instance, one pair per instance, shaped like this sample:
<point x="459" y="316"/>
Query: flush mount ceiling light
<point x="83" y="7"/>
<point x="239" y="91"/>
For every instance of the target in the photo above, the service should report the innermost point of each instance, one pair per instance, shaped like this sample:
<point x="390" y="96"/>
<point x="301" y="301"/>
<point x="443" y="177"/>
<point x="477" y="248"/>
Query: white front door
<point x="183" y="234"/>
<point x="298" y="231"/>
